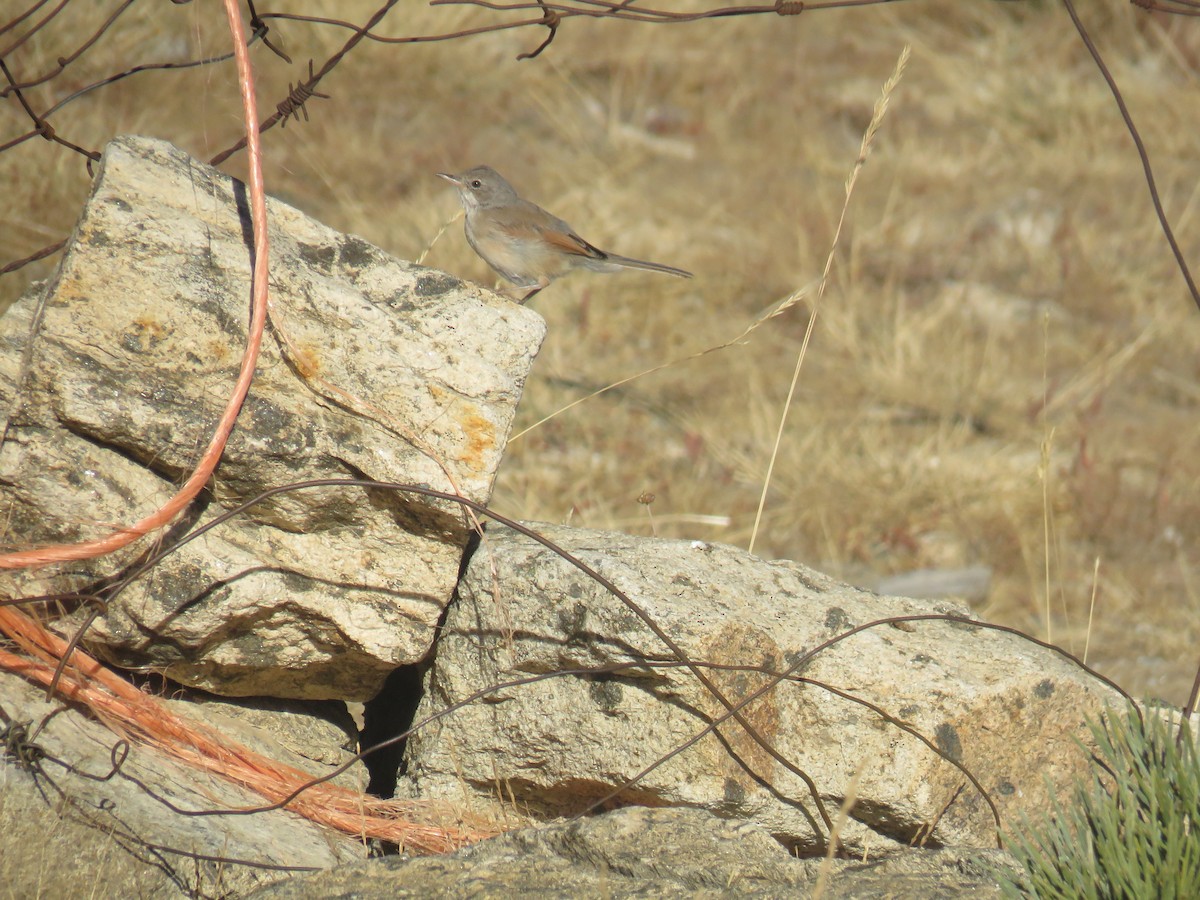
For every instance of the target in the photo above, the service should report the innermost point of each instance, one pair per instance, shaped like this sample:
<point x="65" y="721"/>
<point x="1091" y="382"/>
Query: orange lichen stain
<point x="306" y="359"/>
<point x="219" y="352"/>
<point x="69" y="290"/>
<point x="147" y="331"/>
<point x="479" y="437"/>
<point x="742" y="759"/>
<point x="152" y="328"/>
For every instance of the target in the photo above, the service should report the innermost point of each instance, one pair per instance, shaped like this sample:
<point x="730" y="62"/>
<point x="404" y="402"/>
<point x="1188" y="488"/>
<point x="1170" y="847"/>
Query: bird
<point x="525" y="244"/>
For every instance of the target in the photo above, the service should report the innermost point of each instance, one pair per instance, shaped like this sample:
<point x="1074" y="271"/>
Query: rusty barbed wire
<point x="1143" y="155"/>
<point x="293" y="104"/>
<point x="63" y="61"/>
<point x="549" y="15"/>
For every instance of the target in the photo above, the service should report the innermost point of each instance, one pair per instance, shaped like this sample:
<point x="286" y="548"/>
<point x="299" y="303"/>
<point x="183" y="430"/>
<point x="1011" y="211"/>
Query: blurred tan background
<point x="1003" y="371"/>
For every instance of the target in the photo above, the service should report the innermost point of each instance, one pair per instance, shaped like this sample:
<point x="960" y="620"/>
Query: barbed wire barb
<point x="293" y="106"/>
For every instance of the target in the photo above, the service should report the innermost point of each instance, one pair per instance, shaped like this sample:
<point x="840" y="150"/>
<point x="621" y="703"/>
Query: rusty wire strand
<point x="480" y="509"/>
<point x="35" y="29"/>
<point x="33" y="257"/>
<point x="733" y="710"/>
<point x="259" y="27"/>
<point x="925" y="832"/>
<point x="63" y="61"/>
<point x="41" y="126"/>
<point x="17" y="20"/>
<point x="1192" y="8"/>
<point x="1143" y="155"/>
<point x="410" y="39"/>
<point x="1189" y="708"/>
<point x="551" y="19"/>
<point x="601" y="9"/>
<point x="27" y="755"/>
<point x="259" y="34"/>
<point x="18" y="745"/>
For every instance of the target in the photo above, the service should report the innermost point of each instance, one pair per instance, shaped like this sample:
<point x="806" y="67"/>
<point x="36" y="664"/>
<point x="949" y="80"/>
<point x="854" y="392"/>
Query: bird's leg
<point x="542" y="284"/>
<point x="515" y="294"/>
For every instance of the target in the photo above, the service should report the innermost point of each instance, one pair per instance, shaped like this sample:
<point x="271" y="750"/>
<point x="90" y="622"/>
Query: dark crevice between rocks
<point x="387" y="714"/>
<point x="391" y="712"/>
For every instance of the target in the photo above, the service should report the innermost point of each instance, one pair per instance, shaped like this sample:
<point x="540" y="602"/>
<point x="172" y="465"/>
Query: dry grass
<point x="1002" y="297"/>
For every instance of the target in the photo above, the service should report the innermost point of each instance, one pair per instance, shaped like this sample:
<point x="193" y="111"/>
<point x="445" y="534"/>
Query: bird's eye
<point x="476" y="183"/>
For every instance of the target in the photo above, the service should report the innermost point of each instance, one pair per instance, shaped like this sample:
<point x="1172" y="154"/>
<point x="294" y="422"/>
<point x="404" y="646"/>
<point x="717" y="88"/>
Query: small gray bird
<point x="524" y="243"/>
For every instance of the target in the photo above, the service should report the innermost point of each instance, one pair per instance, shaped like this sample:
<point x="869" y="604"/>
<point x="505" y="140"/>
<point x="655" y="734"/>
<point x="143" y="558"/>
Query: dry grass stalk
<point x="881" y="106"/>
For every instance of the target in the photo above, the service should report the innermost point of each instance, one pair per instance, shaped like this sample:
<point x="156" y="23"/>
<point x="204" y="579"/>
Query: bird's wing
<point x="571" y="242"/>
<point x="536" y="222"/>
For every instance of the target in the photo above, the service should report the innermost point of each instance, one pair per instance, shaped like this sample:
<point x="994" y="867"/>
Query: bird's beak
<point x="453" y="179"/>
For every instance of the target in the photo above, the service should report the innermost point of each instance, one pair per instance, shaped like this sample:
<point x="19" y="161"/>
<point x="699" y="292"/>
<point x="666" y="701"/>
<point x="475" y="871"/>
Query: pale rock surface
<point x="316" y="736"/>
<point x="1007" y="709"/>
<point x="650" y="853"/>
<point x="112" y="385"/>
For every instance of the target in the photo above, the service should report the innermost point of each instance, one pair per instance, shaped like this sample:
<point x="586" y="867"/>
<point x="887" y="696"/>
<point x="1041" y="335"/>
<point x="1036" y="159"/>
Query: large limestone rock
<point x="1006" y="709"/>
<point x="112" y="385"/>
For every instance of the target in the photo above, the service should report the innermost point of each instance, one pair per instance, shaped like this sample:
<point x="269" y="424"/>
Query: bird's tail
<point x="626" y="262"/>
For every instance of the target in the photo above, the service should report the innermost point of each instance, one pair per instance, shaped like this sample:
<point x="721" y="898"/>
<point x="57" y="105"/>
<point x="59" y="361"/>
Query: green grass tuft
<point x="1133" y="832"/>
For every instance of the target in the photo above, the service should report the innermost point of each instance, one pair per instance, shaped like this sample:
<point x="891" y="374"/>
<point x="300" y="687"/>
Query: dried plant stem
<point x="1044" y="474"/>
<point x="881" y="106"/>
<point x="835" y="841"/>
<point x="772" y="311"/>
<point x="420" y="260"/>
<point x="1087" y="641"/>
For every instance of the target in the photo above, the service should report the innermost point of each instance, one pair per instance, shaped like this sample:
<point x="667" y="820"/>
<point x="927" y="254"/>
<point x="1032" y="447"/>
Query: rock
<point x="112" y="393"/>
<point x="316" y="736"/>
<point x="68" y="835"/>
<point x="637" y="852"/>
<point x="970" y="583"/>
<point x="1006" y="709"/>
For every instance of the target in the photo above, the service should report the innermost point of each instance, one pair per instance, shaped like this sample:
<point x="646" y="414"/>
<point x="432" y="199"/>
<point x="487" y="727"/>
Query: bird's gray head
<point x="481" y="188"/>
